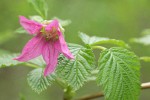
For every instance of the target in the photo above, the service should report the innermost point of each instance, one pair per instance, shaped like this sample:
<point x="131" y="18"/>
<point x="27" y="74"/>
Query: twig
<point x="93" y="96"/>
<point x="145" y="85"/>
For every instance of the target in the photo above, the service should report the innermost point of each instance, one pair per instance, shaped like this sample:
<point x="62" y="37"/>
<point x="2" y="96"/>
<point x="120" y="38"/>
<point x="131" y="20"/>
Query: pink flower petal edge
<point x="32" y="49"/>
<point x="49" y="43"/>
<point x="50" y="55"/>
<point x="30" y="26"/>
<point x="62" y="47"/>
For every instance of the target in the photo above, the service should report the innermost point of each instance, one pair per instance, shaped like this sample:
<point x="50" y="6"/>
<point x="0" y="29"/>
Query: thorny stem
<point x="93" y="96"/>
<point x="98" y="47"/>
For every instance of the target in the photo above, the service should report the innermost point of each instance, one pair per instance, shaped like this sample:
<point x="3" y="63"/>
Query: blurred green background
<point x="119" y="19"/>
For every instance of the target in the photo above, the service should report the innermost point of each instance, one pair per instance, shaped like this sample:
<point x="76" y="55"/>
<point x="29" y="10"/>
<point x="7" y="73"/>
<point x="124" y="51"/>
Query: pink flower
<point x="48" y="41"/>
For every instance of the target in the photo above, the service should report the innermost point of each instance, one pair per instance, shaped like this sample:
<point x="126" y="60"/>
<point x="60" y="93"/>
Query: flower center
<point x="51" y="35"/>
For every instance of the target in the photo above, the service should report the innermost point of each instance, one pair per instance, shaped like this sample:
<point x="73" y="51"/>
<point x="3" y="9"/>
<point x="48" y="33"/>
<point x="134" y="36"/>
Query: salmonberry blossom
<point x="48" y="41"/>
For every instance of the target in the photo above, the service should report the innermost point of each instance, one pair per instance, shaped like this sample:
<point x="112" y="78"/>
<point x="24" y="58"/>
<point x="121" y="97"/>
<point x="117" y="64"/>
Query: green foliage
<point x="90" y="40"/>
<point x="38" y="61"/>
<point x="20" y="30"/>
<point x="146" y="59"/>
<point x="142" y="40"/>
<point x="119" y="74"/>
<point x="38" y="82"/>
<point x="7" y="60"/>
<point x="76" y="71"/>
<point x="37" y="18"/>
<point x="40" y="6"/>
<point x="94" y="40"/>
<point x="63" y="22"/>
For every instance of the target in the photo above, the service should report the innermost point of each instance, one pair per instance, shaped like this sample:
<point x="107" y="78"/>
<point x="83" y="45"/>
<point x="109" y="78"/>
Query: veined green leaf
<point x="119" y="74"/>
<point x="38" y="82"/>
<point x="94" y="40"/>
<point x="40" y="6"/>
<point x="7" y="60"/>
<point x="76" y="71"/>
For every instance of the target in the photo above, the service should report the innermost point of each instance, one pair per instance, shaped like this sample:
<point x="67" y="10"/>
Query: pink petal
<point x="30" y="26"/>
<point x="50" y="55"/>
<point x="53" y="24"/>
<point x="62" y="47"/>
<point x="32" y="49"/>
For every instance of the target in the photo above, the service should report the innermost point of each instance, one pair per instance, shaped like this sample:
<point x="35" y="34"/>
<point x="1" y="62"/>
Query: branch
<point x="93" y="96"/>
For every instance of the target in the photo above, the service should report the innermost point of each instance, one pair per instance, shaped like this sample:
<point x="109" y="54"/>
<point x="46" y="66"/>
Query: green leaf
<point x="38" y="61"/>
<point x="143" y="40"/>
<point x="90" y="40"/>
<point x="94" y="40"/>
<point x="37" y="18"/>
<point x="146" y="59"/>
<point x="38" y="82"/>
<point x="76" y="71"/>
<point x="21" y="30"/>
<point x="7" y="60"/>
<point x="63" y="22"/>
<point x="40" y="6"/>
<point x="119" y="74"/>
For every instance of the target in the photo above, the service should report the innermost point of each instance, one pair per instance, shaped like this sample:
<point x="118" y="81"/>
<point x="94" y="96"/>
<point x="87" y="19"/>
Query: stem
<point x="61" y="83"/>
<point x="68" y="93"/>
<point x="31" y="65"/>
<point x="97" y="95"/>
<point x="98" y="47"/>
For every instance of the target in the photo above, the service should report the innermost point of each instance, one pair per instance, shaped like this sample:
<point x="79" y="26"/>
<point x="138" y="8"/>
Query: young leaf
<point x="7" y="60"/>
<point x="146" y="59"/>
<point x="90" y="40"/>
<point x="21" y="30"/>
<point x="76" y="71"/>
<point x="40" y="6"/>
<point x="94" y="40"/>
<point x="119" y="74"/>
<point x="143" y="40"/>
<point x="63" y="22"/>
<point x="38" y="82"/>
<point x="37" y="18"/>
